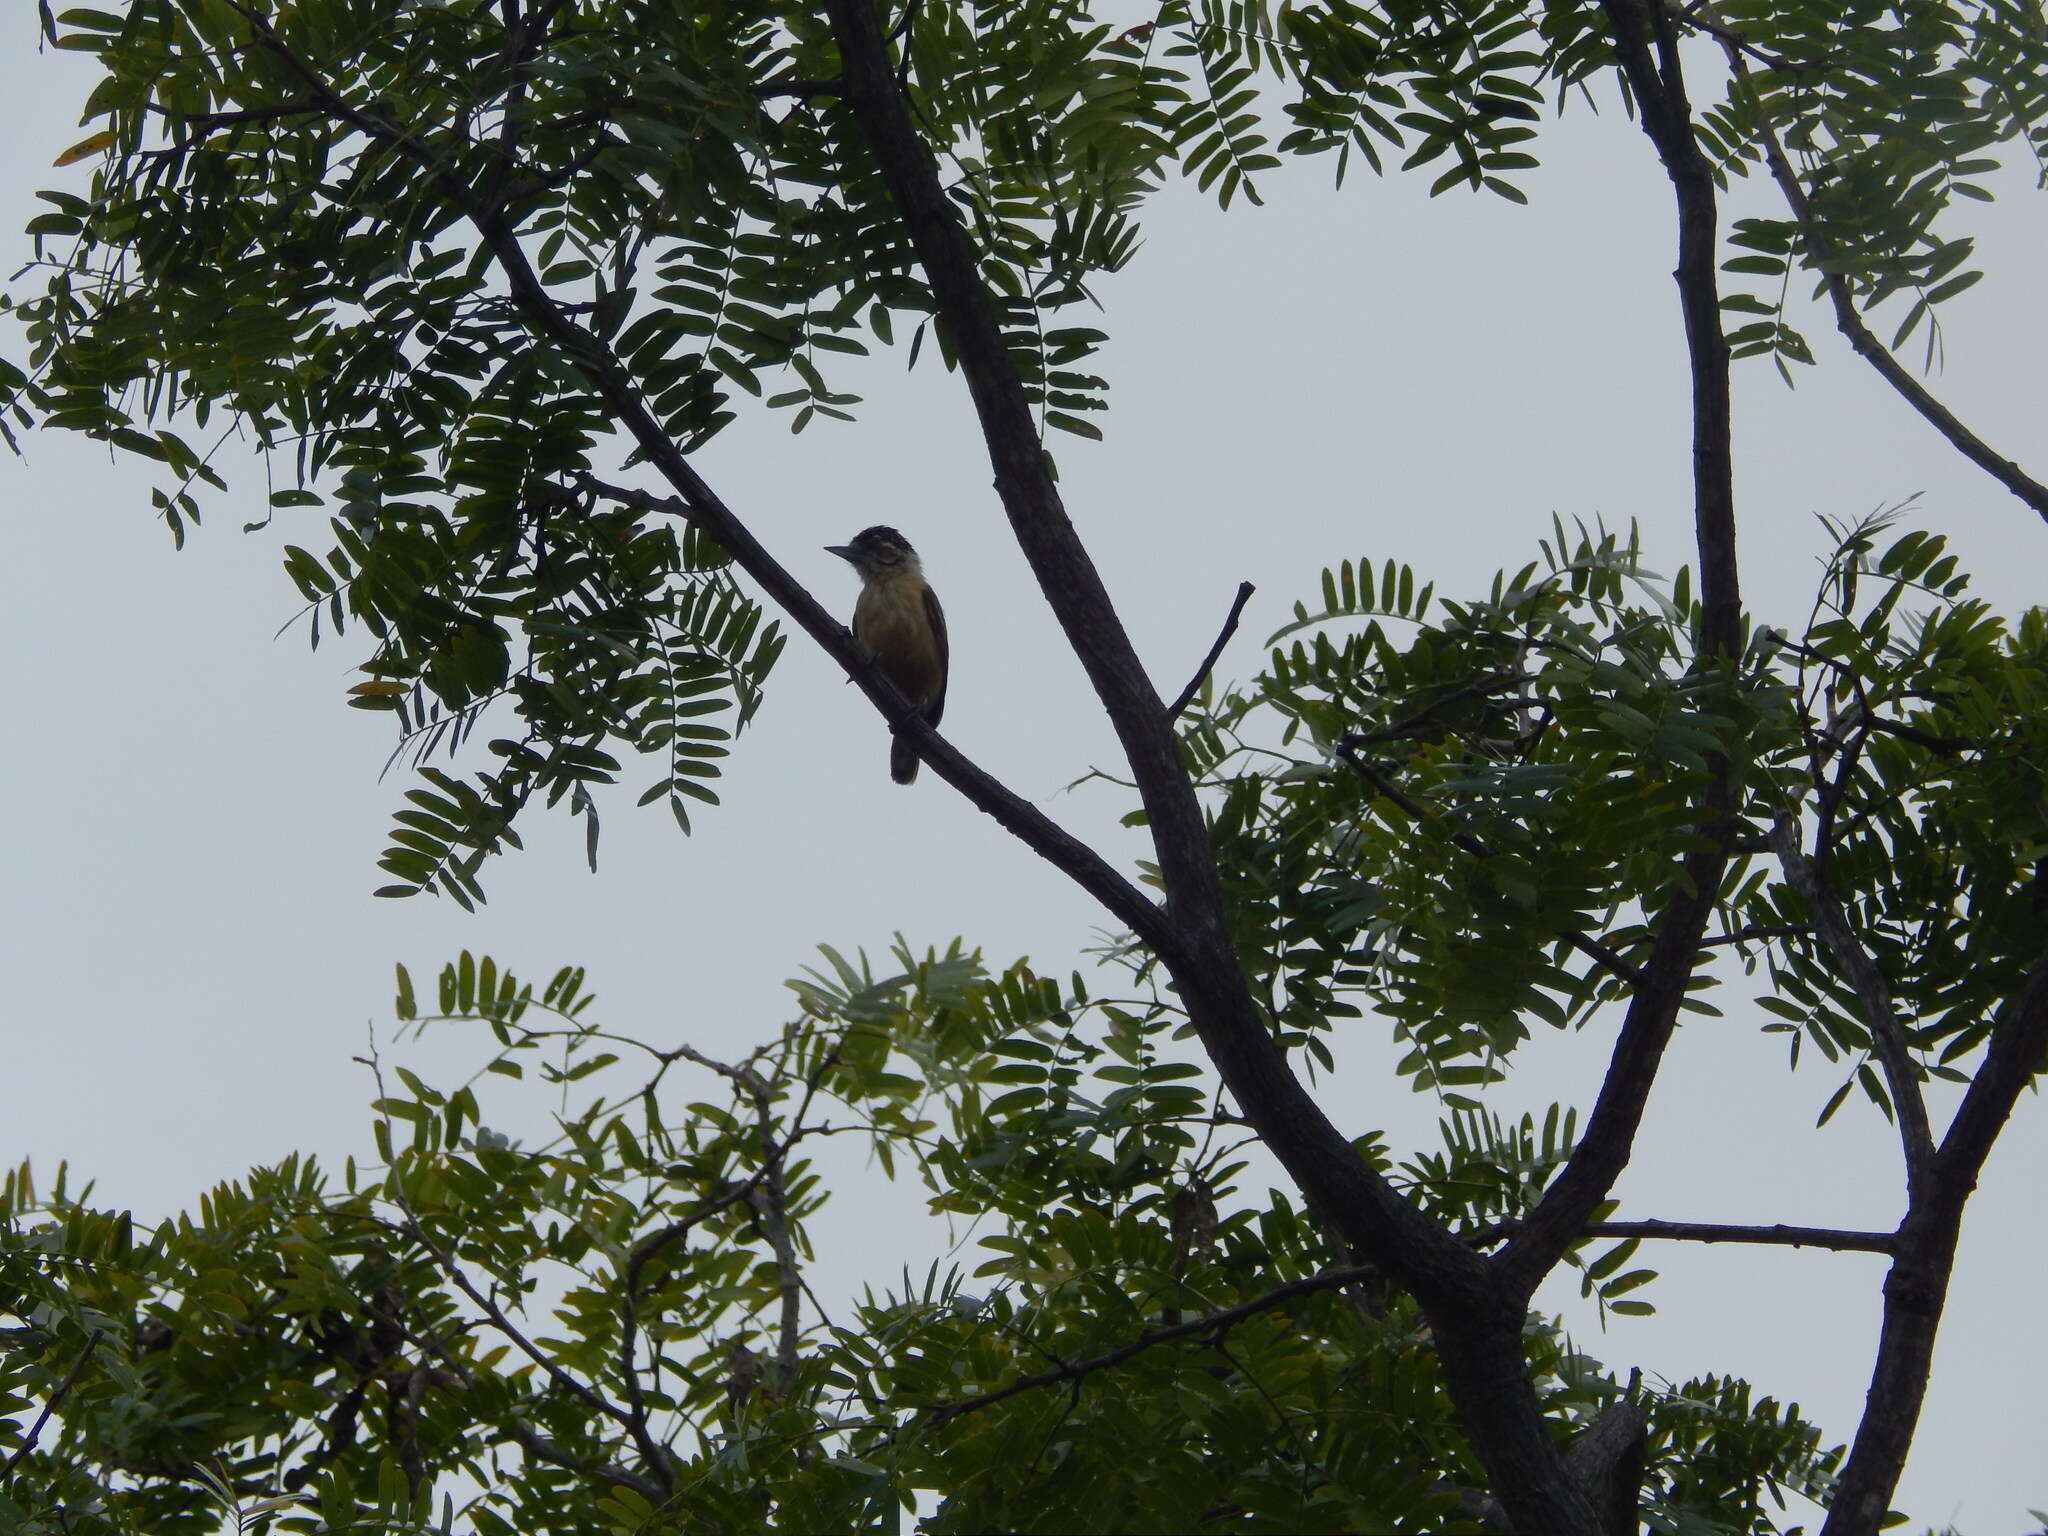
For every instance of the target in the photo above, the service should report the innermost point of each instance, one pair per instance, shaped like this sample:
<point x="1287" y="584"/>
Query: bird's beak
<point x="843" y="551"/>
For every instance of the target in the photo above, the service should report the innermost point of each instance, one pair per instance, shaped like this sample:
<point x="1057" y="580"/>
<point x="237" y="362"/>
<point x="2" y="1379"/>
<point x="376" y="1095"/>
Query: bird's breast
<point x="889" y="619"/>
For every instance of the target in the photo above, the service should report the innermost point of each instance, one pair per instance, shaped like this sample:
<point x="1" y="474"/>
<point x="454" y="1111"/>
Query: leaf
<point x="85" y="149"/>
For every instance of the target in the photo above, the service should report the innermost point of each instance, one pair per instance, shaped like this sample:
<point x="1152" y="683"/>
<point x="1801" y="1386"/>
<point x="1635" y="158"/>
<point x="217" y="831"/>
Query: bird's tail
<point x="902" y="761"/>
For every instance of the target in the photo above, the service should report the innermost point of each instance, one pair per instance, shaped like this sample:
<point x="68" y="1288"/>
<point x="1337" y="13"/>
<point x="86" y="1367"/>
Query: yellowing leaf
<point x="86" y="148"/>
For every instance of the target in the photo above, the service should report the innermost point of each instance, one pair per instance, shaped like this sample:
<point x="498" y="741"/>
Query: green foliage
<point x="284" y="241"/>
<point x="1458" y="818"/>
<point x="1888" y="114"/>
<point x="1922" y="763"/>
<point x="1466" y="830"/>
<point x="431" y="258"/>
<point x="604" y="1328"/>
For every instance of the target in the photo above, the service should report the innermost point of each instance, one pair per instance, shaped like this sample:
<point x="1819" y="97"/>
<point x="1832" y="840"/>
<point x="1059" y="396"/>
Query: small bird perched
<point x="898" y="620"/>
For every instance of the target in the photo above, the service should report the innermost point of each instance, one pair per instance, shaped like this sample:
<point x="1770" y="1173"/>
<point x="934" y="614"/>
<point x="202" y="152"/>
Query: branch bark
<point x="1860" y="970"/>
<point x="1477" y="1327"/>
<point x="1187" y="694"/>
<point x="1835" y="1238"/>
<point x="1916" y="1289"/>
<point x="1647" y="48"/>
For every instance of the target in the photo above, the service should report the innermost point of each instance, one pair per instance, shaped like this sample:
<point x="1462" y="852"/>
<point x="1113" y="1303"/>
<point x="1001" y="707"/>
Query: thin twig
<point x="1187" y="694"/>
<point x="1860" y="970"/>
<point x="1754" y="931"/>
<point x="56" y="1398"/>
<point x="1075" y="1370"/>
<point x="1849" y="320"/>
<point x="1837" y="1239"/>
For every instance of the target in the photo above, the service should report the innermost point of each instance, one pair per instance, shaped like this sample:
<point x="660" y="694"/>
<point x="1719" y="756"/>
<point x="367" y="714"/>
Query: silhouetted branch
<point x="1838" y="1239"/>
<point x="1212" y="1322"/>
<point x="1187" y="694"/>
<point x="1849" y="321"/>
<point x="1916" y="1290"/>
<point x="1647" y="51"/>
<point x="1873" y="993"/>
<point x="50" y="1405"/>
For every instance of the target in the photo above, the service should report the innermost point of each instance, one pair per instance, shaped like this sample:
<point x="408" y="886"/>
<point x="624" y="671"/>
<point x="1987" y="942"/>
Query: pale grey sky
<point x="194" y="954"/>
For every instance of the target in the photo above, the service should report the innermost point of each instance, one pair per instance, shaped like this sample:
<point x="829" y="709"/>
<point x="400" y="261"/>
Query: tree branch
<point x="444" y="1260"/>
<point x="1076" y="1370"/>
<point x="50" y="1405"/>
<point x="541" y="1448"/>
<point x="1187" y="694"/>
<point x="1916" y="1289"/>
<point x="1478" y="1329"/>
<point x="740" y="1190"/>
<point x="1849" y="320"/>
<point x="1194" y="941"/>
<point x="701" y="506"/>
<point x="1647" y="50"/>
<point x="1873" y="993"/>
<point x="1838" y="1239"/>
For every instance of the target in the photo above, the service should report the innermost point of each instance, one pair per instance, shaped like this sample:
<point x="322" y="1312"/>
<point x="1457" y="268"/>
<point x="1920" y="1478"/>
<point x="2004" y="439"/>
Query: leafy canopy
<point x="288" y="240"/>
<point x="443" y="262"/>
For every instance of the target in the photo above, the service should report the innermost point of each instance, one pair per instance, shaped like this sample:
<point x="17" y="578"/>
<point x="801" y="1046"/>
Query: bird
<point x="898" y="621"/>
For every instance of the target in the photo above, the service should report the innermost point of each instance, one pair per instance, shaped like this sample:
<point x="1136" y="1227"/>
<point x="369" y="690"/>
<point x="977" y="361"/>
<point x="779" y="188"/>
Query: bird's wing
<point x="937" y="616"/>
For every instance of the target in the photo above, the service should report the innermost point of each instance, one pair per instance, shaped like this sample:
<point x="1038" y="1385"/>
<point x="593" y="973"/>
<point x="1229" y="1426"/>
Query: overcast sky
<point x="194" y="954"/>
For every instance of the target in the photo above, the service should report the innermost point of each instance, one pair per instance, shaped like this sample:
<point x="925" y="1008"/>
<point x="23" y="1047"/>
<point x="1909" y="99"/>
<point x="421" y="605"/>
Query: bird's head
<point x="877" y="551"/>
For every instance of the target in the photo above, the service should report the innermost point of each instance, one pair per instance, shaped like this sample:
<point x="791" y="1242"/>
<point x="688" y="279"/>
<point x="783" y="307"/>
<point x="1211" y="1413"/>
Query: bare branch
<point x="1187" y="694"/>
<point x="1916" y="1290"/>
<point x="1835" y="1238"/>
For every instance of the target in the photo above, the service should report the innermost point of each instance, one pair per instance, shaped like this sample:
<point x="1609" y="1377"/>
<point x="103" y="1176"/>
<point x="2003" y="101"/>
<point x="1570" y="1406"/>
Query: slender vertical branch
<point x="1478" y="1328"/>
<point x="1887" y="1035"/>
<point x="1646" y="46"/>
<point x="1187" y="694"/>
